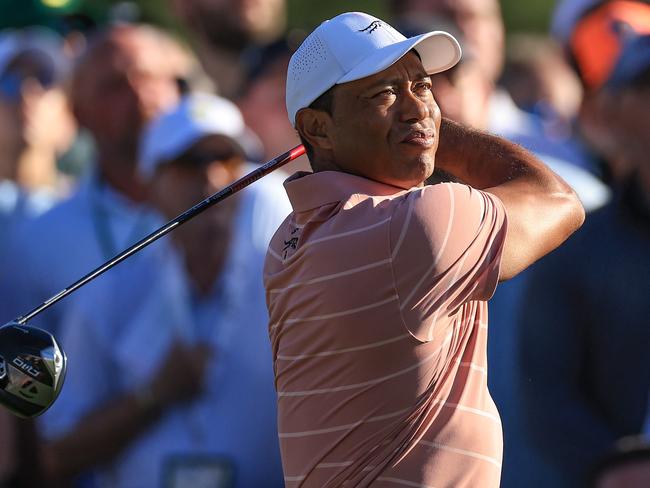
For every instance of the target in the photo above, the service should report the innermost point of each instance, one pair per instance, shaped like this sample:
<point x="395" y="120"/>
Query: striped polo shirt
<point x="378" y="323"/>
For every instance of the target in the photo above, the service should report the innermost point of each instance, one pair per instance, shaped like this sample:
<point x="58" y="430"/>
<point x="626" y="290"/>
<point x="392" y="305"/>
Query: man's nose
<point x="216" y="177"/>
<point x="146" y="91"/>
<point x="414" y="108"/>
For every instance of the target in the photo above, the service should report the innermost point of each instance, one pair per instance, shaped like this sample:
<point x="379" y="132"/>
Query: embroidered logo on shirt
<point x="291" y="244"/>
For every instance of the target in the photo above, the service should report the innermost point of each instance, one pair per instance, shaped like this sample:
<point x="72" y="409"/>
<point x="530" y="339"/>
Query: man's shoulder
<point x="57" y="231"/>
<point x="446" y="218"/>
<point x="436" y="202"/>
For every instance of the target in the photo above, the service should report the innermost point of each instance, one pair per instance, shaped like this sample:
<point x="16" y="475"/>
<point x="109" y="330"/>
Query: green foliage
<point x="50" y="13"/>
<point x="527" y="16"/>
<point x="519" y="15"/>
<point x="308" y="14"/>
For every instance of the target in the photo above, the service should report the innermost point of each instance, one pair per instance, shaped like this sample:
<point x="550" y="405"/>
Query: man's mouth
<point x="423" y="138"/>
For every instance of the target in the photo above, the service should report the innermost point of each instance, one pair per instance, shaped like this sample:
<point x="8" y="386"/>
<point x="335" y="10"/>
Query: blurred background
<point x="92" y="96"/>
<point x="531" y="16"/>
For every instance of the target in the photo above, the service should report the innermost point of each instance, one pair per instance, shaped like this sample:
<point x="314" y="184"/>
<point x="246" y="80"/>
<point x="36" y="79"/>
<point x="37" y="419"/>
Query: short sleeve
<point x="446" y="244"/>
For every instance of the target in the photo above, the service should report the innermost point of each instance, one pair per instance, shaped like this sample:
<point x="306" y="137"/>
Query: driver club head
<point x="32" y="369"/>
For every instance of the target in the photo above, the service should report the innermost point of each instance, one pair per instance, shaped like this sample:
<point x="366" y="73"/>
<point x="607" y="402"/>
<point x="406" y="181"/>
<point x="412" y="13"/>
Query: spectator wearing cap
<point x="172" y="375"/>
<point x="584" y="340"/>
<point x="36" y="124"/>
<point x="593" y="33"/>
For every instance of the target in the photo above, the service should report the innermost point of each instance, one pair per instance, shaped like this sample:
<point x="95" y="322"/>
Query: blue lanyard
<point x="101" y="222"/>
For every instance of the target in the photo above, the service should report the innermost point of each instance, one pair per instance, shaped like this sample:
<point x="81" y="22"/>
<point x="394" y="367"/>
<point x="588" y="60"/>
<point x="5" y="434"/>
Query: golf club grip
<point x="230" y="190"/>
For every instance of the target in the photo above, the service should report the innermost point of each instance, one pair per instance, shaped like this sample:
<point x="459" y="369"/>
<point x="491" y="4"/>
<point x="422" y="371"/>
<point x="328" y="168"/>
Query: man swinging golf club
<point x="377" y="286"/>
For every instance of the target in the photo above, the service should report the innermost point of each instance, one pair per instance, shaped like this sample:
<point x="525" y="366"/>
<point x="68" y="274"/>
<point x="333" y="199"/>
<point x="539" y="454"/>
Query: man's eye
<point x="386" y="92"/>
<point x="423" y="87"/>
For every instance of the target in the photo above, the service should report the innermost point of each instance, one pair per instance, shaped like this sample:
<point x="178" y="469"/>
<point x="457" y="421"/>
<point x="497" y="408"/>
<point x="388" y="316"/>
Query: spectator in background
<point x="170" y="375"/>
<point x="263" y="105"/>
<point x="545" y="87"/>
<point x="479" y="21"/>
<point x="593" y="45"/>
<point x="36" y="124"/>
<point x="35" y="128"/>
<point x="540" y="81"/>
<point x="127" y="76"/>
<point x="584" y="340"/>
<point x="224" y="30"/>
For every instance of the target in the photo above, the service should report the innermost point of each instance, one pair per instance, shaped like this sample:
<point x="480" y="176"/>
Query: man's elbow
<point x="568" y="209"/>
<point x="543" y="226"/>
<point x="573" y="210"/>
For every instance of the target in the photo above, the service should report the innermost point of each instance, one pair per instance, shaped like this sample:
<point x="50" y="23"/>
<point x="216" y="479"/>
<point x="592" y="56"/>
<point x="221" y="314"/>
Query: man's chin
<point x="420" y="169"/>
<point x="413" y="178"/>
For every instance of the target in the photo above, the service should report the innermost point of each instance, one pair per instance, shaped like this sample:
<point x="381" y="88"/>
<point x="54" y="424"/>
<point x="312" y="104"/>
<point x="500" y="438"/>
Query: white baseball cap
<point x="355" y="45"/>
<point x="196" y="116"/>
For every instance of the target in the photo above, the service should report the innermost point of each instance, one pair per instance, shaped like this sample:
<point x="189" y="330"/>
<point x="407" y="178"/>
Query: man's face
<point x="479" y="20"/>
<point x="205" y="168"/>
<point x="127" y="81"/>
<point x="385" y="127"/>
<point x="233" y="23"/>
<point x="208" y="166"/>
<point x="463" y="94"/>
<point x="265" y="112"/>
<point x="30" y="112"/>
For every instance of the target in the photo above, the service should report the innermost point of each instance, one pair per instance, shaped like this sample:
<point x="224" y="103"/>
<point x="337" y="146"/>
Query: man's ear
<point x="314" y="126"/>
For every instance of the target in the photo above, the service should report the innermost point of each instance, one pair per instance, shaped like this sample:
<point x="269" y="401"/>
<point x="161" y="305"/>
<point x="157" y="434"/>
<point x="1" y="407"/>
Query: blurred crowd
<point x="108" y="131"/>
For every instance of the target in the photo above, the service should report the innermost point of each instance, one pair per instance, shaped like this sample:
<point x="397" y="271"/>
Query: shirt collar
<point x="312" y="190"/>
<point x="110" y="199"/>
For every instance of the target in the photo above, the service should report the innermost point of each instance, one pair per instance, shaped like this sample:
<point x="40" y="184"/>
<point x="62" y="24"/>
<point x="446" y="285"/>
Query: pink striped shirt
<point x="378" y="324"/>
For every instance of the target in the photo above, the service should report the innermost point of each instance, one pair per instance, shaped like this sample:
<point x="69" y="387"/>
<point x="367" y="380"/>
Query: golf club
<point x="33" y="365"/>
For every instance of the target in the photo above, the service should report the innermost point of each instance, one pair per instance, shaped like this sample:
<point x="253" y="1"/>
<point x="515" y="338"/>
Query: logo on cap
<point x="372" y="27"/>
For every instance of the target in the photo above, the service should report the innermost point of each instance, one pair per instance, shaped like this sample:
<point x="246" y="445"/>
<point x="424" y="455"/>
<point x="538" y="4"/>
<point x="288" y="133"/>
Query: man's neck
<point x="203" y="269"/>
<point x="36" y="169"/>
<point x="123" y="178"/>
<point x="326" y="163"/>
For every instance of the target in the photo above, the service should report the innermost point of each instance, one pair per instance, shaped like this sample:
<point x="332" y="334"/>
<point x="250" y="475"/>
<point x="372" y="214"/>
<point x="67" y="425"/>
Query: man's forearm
<point x="542" y="209"/>
<point x="482" y="160"/>
<point x="98" y="438"/>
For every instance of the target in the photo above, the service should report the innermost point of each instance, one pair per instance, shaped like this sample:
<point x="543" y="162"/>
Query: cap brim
<point x="438" y="51"/>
